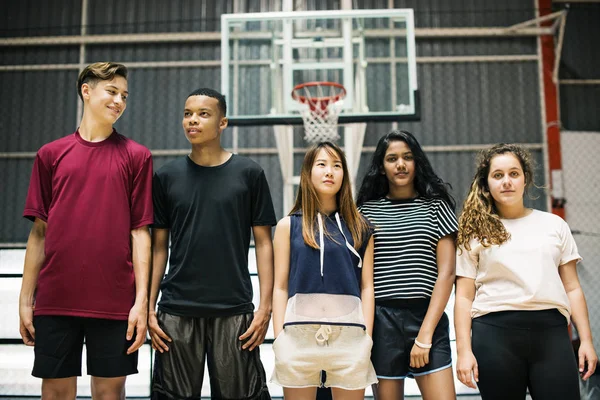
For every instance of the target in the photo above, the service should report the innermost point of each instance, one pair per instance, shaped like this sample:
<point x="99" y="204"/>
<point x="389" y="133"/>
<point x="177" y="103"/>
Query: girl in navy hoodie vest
<point x="323" y="299"/>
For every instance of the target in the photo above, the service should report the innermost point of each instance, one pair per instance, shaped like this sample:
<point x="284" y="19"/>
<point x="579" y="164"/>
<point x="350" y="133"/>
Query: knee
<point x="52" y="391"/>
<point x="108" y="391"/>
<point x="109" y="394"/>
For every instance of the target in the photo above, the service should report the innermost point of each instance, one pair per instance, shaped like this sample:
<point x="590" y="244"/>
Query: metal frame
<point x="286" y="111"/>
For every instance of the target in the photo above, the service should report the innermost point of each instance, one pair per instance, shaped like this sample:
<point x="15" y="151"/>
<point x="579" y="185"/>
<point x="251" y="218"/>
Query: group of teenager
<point x="357" y="290"/>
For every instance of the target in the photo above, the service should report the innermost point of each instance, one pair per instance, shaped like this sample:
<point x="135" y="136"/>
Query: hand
<point x="257" y="330"/>
<point x="466" y="368"/>
<point x="26" y="325"/>
<point x="137" y="322"/>
<point x="157" y="334"/>
<point x="587" y="360"/>
<point x="419" y="357"/>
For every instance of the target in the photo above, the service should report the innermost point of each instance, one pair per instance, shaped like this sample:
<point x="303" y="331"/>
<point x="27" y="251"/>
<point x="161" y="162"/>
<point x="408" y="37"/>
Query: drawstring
<point x="322" y="334"/>
<point x="352" y="249"/>
<point x="322" y="241"/>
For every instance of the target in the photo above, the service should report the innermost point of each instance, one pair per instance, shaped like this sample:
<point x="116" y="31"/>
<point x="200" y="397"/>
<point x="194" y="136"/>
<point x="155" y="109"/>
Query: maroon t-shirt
<point x="91" y="195"/>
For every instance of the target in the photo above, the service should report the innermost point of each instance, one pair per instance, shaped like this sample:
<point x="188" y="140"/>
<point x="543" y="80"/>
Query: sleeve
<point x="447" y="223"/>
<point x="39" y="194"/>
<point x="262" y="205"/>
<point x="159" y="199"/>
<point x="568" y="247"/>
<point x="141" y="194"/>
<point x="367" y="235"/>
<point x="467" y="261"/>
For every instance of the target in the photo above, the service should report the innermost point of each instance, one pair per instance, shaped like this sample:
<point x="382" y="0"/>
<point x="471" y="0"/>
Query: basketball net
<point x="322" y="103"/>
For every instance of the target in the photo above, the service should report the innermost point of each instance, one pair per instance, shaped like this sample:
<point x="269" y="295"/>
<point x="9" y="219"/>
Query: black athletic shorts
<point x="397" y="324"/>
<point x="234" y="373"/>
<point x="59" y="344"/>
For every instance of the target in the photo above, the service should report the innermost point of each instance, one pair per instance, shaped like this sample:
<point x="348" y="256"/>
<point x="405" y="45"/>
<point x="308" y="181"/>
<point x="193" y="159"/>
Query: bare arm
<point x="282" y="271"/>
<point x="160" y="255"/>
<point x="140" y="254"/>
<point x="446" y="263"/>
<point x="579" y="314"/>
<point x="367" y="292"/>
<point x="34" y="258"/>
<point x="255" y="334"/>
<point x="466" y="364"/>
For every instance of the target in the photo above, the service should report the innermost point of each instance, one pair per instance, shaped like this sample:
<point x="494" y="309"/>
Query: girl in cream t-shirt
<point x="517" y="289"/>
<point x="522" y="273"/>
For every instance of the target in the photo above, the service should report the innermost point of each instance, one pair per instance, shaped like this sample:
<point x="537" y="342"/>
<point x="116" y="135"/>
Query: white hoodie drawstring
<point x="352" y="249"/>
<point x="322" y="241"/>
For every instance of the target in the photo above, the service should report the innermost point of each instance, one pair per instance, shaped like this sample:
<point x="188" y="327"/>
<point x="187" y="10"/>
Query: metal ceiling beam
<point x="216" y="36"/>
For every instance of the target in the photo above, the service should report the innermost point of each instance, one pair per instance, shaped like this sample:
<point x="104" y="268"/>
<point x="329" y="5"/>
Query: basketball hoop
<point x="323" y="101"/>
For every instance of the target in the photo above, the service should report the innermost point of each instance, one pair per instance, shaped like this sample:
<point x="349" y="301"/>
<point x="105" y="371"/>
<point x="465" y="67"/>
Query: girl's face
<point x="327" y="173"/>
<point x="506" y="180"/>
<point x="399" y="165"/>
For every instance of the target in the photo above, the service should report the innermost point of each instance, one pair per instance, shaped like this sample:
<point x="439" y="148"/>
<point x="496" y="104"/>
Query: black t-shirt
<point x="210" y="212"/>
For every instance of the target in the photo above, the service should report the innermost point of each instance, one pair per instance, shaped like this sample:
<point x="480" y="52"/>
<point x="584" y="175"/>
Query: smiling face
<point x="106" y="100"/>
<point x="327" y="173"/>
<point x="399" y="165"/>
<point x="506" y="180"/>
<point x="202" y="120"/>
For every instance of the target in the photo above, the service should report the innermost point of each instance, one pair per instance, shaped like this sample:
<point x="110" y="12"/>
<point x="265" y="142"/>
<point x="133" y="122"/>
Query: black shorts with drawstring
<point x="234" y="373"/>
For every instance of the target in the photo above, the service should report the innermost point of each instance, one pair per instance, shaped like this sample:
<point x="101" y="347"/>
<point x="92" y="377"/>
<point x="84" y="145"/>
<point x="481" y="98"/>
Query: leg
<point x="58" y="347"/>
<point x="435" y="379"/>
<point x="300" y="393"/>
<point x="389" y="389"/>
<point x="108" y="388"/>
<point x="437" y="386"/>
<point x="342" y="394"/>
<point x="107" y="360"/>
<point x="178" y="373"/>
<point x="59" y="389"/>
<point x="553" y="370"/>
<point x="234" y="373"/>
<point x="106" y="347"/>
<point x="389" y="354"/>
<point x="501" y="357"/>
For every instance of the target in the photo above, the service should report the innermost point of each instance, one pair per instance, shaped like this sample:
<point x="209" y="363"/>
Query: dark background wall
<point x="462" y="103"/>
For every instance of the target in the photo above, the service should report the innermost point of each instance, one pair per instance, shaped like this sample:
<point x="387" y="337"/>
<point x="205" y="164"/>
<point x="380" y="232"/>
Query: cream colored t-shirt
<point x="521" y="274"/>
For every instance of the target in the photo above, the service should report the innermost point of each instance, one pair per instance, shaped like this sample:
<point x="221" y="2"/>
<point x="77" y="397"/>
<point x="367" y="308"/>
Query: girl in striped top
<point x="414" y="268"/>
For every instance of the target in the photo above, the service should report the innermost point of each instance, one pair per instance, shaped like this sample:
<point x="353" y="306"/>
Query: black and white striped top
<point x="406" y="237"/>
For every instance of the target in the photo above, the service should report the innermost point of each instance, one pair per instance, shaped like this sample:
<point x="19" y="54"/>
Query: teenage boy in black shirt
<point x="207" y="203"/>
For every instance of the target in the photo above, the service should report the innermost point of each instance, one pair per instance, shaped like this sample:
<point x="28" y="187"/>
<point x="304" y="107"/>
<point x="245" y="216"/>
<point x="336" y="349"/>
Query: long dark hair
<point x="307" y="200"/>
<point x="375" y="184"/>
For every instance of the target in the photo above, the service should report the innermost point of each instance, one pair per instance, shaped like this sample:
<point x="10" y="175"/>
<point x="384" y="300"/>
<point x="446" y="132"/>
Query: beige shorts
<point x="343" y="352"/>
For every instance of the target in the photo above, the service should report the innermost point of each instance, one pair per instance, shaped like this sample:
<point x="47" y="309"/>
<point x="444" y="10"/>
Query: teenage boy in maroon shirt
<point x="88" y="254"/>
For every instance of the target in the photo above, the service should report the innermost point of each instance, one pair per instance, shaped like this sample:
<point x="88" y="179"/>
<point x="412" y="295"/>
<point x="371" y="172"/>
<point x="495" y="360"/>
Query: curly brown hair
<point x="479" y="217"/>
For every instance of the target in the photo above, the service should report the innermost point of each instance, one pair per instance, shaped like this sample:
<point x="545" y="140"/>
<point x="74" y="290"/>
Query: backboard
<point x="370" y="52"/>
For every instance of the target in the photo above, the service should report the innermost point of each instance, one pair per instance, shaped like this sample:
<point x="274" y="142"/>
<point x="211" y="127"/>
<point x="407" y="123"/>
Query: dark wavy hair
<point x="375" y="184"/>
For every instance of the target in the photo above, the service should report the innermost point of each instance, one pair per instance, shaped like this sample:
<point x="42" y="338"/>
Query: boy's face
<point x="202" y="120"/>
<point x="106" y="100"/>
